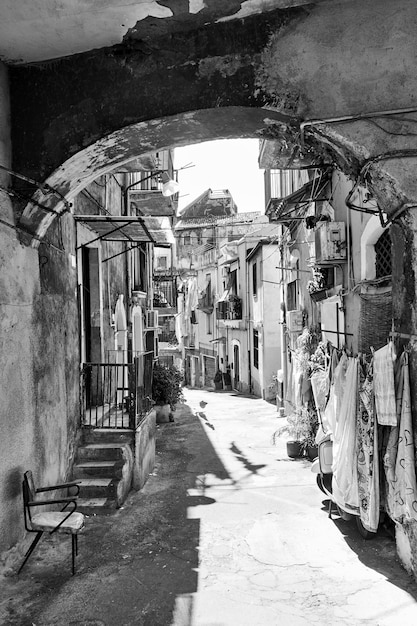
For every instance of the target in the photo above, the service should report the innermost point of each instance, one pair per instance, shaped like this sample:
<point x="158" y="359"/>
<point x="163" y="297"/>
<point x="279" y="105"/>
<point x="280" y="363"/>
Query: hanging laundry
<point x="390" y="454"/>
<point x="290" y="396"/>
<point x="367" y="451"/>
<point x="345" y="476"/>
<point x="400" y="459"/>
<point x="320" y="385"/>
<point x="384" y="385"/>
<point x="337" y="389"/>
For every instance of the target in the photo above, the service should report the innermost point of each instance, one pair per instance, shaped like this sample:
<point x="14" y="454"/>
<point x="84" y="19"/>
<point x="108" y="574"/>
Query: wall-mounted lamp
<point x="169" y="186"/>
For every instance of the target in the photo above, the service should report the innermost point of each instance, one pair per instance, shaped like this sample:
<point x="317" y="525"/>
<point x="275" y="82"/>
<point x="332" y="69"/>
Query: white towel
<point x="385" y="404"/>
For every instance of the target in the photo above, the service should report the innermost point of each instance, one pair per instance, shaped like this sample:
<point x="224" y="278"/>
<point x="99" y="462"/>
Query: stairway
<point x="103" y="468"/>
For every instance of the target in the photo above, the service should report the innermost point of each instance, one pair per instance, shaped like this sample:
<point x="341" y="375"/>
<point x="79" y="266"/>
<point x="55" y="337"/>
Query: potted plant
<point x="316" y="286"/>
<point x="311" y="449"/>
<point x="218" y="380"/>
<point x="301" y="428"/>
<point x="166" y="391"/>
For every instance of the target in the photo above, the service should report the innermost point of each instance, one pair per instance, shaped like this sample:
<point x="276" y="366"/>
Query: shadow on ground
<point x="378" y="553"/>
<point x="137" y="566"/>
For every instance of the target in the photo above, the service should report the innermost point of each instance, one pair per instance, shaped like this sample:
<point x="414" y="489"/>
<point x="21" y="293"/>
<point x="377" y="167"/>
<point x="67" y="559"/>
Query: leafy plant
<point x="317" y="283"/>
<point x="166" y="385"/>
<point x="307" y="344"/>
<point x="301" y="426"/>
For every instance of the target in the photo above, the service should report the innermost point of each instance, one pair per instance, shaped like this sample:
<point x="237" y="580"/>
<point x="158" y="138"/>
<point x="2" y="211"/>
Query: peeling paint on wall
<point x="195" y="6"/>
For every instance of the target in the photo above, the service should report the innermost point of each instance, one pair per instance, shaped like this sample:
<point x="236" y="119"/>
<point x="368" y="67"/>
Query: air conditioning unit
<point x="330" y="240"/>
<point x="295" y="321"/>
<point x="151" y="319"/>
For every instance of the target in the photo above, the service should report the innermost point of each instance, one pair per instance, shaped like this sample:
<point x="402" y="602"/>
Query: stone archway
<point x="139" y="139"/>
<point x="77" y="119"/>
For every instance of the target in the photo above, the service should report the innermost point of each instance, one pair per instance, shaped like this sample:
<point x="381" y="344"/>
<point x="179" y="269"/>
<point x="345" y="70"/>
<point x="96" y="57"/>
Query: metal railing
<point x="117" y="395"/>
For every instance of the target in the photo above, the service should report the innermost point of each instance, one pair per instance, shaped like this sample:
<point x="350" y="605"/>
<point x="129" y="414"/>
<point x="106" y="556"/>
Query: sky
<point x="223" y="164"/>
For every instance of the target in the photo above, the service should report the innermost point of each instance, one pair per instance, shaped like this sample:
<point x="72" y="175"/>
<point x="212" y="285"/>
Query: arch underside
<point x="119" y="148"/>
<point x="257" y="77"/>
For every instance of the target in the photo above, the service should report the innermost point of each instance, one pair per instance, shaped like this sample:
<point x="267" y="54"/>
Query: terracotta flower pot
<point x="312" y="452"/>
<point x="294" y="449"/>
<point x="163" y="413"/>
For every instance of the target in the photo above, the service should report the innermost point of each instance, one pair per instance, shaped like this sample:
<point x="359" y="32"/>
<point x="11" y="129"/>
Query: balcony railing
<point x="117" y="395"/>
<point x="230" y="309"/>
<point x="168" y="336"/>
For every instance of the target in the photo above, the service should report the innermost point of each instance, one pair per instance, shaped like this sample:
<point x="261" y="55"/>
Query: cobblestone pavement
<point x="228" y="531"/>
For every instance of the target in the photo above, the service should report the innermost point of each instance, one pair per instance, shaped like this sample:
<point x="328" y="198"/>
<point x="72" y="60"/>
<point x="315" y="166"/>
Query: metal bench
<point x="67" y="520"/>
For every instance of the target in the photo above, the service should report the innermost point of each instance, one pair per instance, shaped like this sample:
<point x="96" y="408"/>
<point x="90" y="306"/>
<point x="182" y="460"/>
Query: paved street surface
<point x="227" y="532"/>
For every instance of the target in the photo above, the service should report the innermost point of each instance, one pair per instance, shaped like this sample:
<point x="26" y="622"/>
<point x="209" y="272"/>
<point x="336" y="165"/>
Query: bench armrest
<point x="60" y="501"/>
<point x="63" y="486"/>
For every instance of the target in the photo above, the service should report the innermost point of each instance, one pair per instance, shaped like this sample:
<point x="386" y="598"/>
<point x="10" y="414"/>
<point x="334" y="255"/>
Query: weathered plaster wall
<point x="47" y="30"/>
<point x="144" y="460"/>
<point x="38" y="373"/>
<point x="209" y="66"/>
<point x="345" y="58"/>
<point x="292" y="61"/>
<point x="19" y="285"/>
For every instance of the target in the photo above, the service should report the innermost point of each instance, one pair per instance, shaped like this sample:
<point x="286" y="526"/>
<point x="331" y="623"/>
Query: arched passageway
<point x="75" y="117"/>
<point x="136" y="140"/>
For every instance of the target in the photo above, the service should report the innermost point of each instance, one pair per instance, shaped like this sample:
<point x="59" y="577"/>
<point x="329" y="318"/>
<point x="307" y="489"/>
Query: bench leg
<point x="74" y="551"/>
<point x="31" y="549"/>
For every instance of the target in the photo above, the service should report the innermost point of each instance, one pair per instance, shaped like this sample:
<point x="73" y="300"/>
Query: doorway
<point x="236" y="367"/>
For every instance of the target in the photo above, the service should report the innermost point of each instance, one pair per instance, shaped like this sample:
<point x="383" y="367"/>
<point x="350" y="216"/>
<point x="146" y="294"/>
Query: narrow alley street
<point x="228" y="531"/>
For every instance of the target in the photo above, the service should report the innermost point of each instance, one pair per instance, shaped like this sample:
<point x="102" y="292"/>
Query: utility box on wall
<point x="330" y="241"/>
<point x="294" y="321"/>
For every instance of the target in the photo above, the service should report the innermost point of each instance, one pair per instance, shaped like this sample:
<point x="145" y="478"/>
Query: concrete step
<point x="97" y="469"/>
<point x="108" y="435"/>
<point x="98" y="487"/>
<point x="100" y="451"/>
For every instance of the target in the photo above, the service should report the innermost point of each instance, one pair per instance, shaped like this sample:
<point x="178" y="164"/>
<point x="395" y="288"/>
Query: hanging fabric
<point x="337" y="389"/>
<point x="367" y="451"/>
<point x="400" y="459"/>
<point x="345" y="476"/>
<point x="320" y="383"/>
<point x="290" y="396"/>
<point x="384" y="385"/>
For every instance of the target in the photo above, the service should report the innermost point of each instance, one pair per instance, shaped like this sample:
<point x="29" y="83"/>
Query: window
<point x="139" y="263"/>
<point x="187" y="240"/>
<point x="254" y="279"/>
<point x="162" y="262"/>
<point x="256" y="349"/>
<point x="292" y="295"/>
<point x="383" y="260"/>
<point x="232" y="283"/>
<point x="208" y="323"/>
<point x="208" y="289"/>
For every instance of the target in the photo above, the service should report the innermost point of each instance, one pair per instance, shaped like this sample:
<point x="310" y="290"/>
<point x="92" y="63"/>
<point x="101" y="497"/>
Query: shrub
<point x="301" y="426"/>
<point x="166" y="385"/>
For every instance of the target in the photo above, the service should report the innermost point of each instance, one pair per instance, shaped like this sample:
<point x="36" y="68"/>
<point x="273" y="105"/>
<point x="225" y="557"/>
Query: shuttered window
<point x="383" y="256"/>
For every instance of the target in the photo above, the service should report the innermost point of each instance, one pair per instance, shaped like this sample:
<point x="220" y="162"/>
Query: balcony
<point x="230" y="309"/>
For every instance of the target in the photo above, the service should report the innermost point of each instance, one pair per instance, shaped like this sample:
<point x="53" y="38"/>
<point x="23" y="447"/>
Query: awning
<point x="292" y="207"/>
<point x="132" y="229"/>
